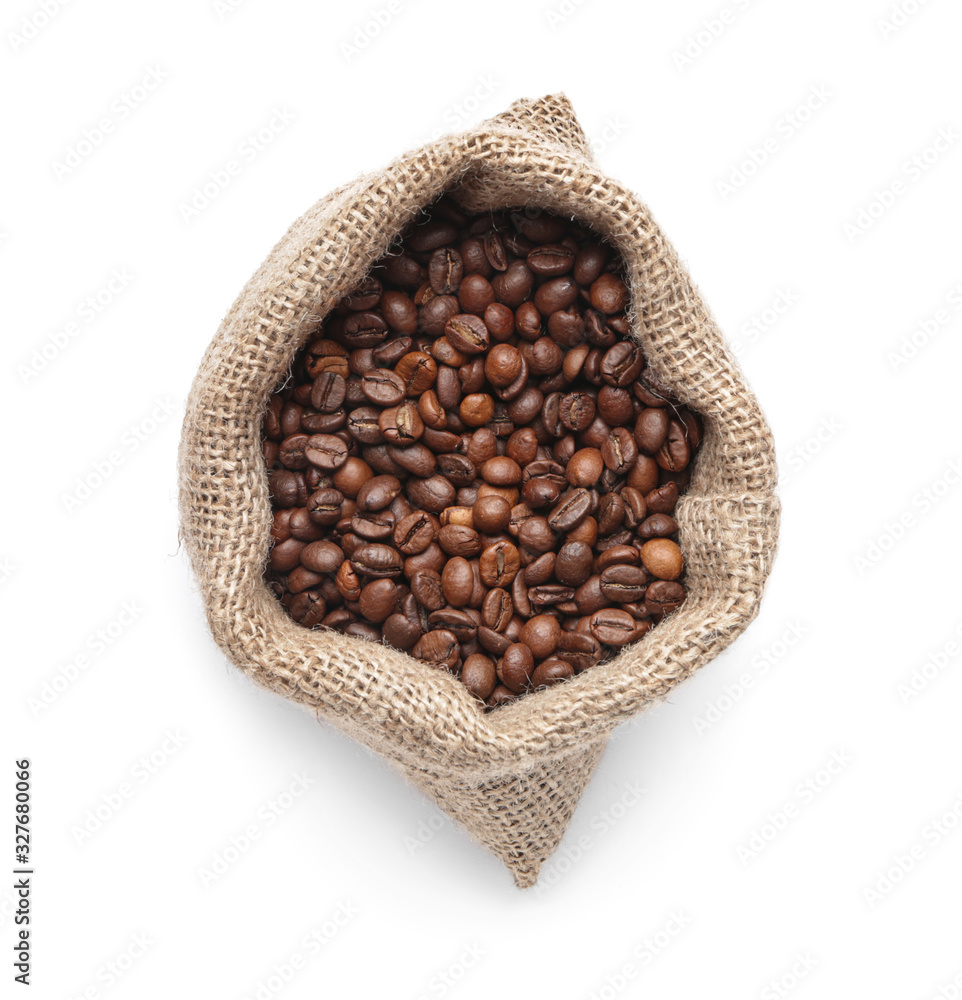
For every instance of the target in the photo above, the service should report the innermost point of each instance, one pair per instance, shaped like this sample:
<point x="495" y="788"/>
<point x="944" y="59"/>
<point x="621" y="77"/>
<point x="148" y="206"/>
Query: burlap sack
<point x="514" y="776"/>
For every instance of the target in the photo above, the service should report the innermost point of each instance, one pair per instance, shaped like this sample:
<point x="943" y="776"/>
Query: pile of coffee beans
<point x="471" y="461"/>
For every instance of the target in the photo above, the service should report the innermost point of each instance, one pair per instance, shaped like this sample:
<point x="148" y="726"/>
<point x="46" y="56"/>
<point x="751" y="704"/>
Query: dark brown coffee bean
<point x="581" y="650"/>
<point x="328" y="392"/>
<point x="307" y="608"/>
<point x="541" y="570"/>
<point x="439" y="647"/>
<point x="494" y="250"/>
<point x="609" y="294"/>
<point x="585" y="467"/>
<point x="459" y="623"/>
<point x="622" y="364"/>
<point x="551" y="260"/>
<point x="457" y="582"/>
<point x="457" y="469"/>
<point x="400" y="632"/>
<point x="378" y="492"/>
<point x="554" y="294"/>
<point x="479" y="675"/>
<point x="651" y="429"/>
<point x="663" y="499"/>
<point x="322" y="557"/>
<point x="577" y="410"/>
<point x="399" y="312"/>
<point x="620" y="451"/>
<point x="501" y="471"/>
<point x="500" y="564"/>
<point x="401" y="425"/>
<point x="493" y="642"/>
<point x="383" y="387"/>
<point x="491" y="514"/>
<point x="541" y="634"/>
<point x="414" y="458"/>
<point x="657" y="526"/>
<point x="570" y="510"/>
<point x="433" y="494"/>
<point x="643" y="475"/>
<point x="324" y="507"/>
<point x="551" y="672"/>
<point x="516" y="666"/>
<point x="467" y="333"/>
<point x="664" y="596"/>
<point x="674" y="453"/>
<point x="430" y="235"/>
<point x="497" y="609"/>
<point x="414" y="533"/>
<point x="459" y="540"/>
<point x="347" y="581"/>
<point x="574" y="563"/>
<point x="475" y="294"/>
<point x="636" y="509"/>
<point x="445" y="270"/>
<point x="589" y="263"/>
<point x="623" y="584"/>
<point x="613" y="627"/>
<point x="377" y="560"/>
<point x="378" y="600"/>
<point x="514" y="285"/>
<point x="326" y="451"/>
<point x="374" y="526"/>
<point x="477" y="409"/>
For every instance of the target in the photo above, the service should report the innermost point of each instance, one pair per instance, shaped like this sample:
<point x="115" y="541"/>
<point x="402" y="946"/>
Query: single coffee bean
<point x="662" y="558"/>
<point x="445" y="270"/>
<point x="623" y="583"/>
<point x="609" y="294"/>
<point x="378" y="493"/>
<point x="663" y="499"/>
<point x="570" y="511"/>
<point x="459" y="540"/>
<point x="467" y="333"/>
<point x="326" y="451"/>
<point x="613" y="627"/>
<point x="322" y="557"/>
<point x="516" y="666"/>
<point x="377" y="560"/>
<point x="585" y="467"/>
<point x="378" y="600"/>
<point x="500" y="564"/>
<point x="551" y="672"/>
<point x="497" y="609"/>
<point x="479" y="675"/>
<point x="657" y="526"/>
<point x="651" y="429"/>
<point x="574" y="563"/>
<point x="674" y="454"/>
<point x="439" y="647"/>
<point x="664" y="596"/>
<point x="620" y="451"/>
<point x="541" y="634"/>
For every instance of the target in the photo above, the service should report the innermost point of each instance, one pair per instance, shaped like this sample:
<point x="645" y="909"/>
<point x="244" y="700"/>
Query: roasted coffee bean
<point x="383" y="387"/>
<point x="541" y="635"/>
<point x="445" y="270"/>
<point x="377" y="560"/>
<point x="459" y="540"/>
<point x="418" y="371"/>
<point x="662" y="558"/>
<point x="467" y="333"/>
<point x="457" y="581"/>
<point x="491" y="514"/>
<point x="516" y="666"/>
<point x="326" y="451"/>
<point x="378" y="493"/>
<point x="613" y="627"/>
<point x="623" y="583"/>
<point x="551" y="260"/>
<point x="497" y="609"/>
<point x="663" y="499"/>
<point x="328" y="392"/>
<point x="414" y="533"/>
<point x="399" y="312"/>
<point x="574" y="563"/>
<point x="479" y="675"/>
<point x="573" y="507"/>
<point x="459" y="623"/>
<point x="433" y="494"/>
<point x="378" y="600"/>
<point x="664" y="596"/>
<point x="622" y="364"/>
<point x="674" y="454"/>
<point x="585" y="467"/>
<point x="620" y="451"/>
<point x="471" y="458"/>
<point x="439" y="647"/>
<point x="577" y="410"/>
<point x="551" y="672"/>
<point x="500" y="564"/>
<point x="400" y="632"/>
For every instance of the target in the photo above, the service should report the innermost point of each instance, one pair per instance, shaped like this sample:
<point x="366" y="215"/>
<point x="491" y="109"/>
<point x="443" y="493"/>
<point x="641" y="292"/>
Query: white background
<point x="798" y="829"/>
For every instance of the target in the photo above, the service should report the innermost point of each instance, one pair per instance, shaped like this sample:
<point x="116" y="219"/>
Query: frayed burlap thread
<point x="512" y="777"/>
